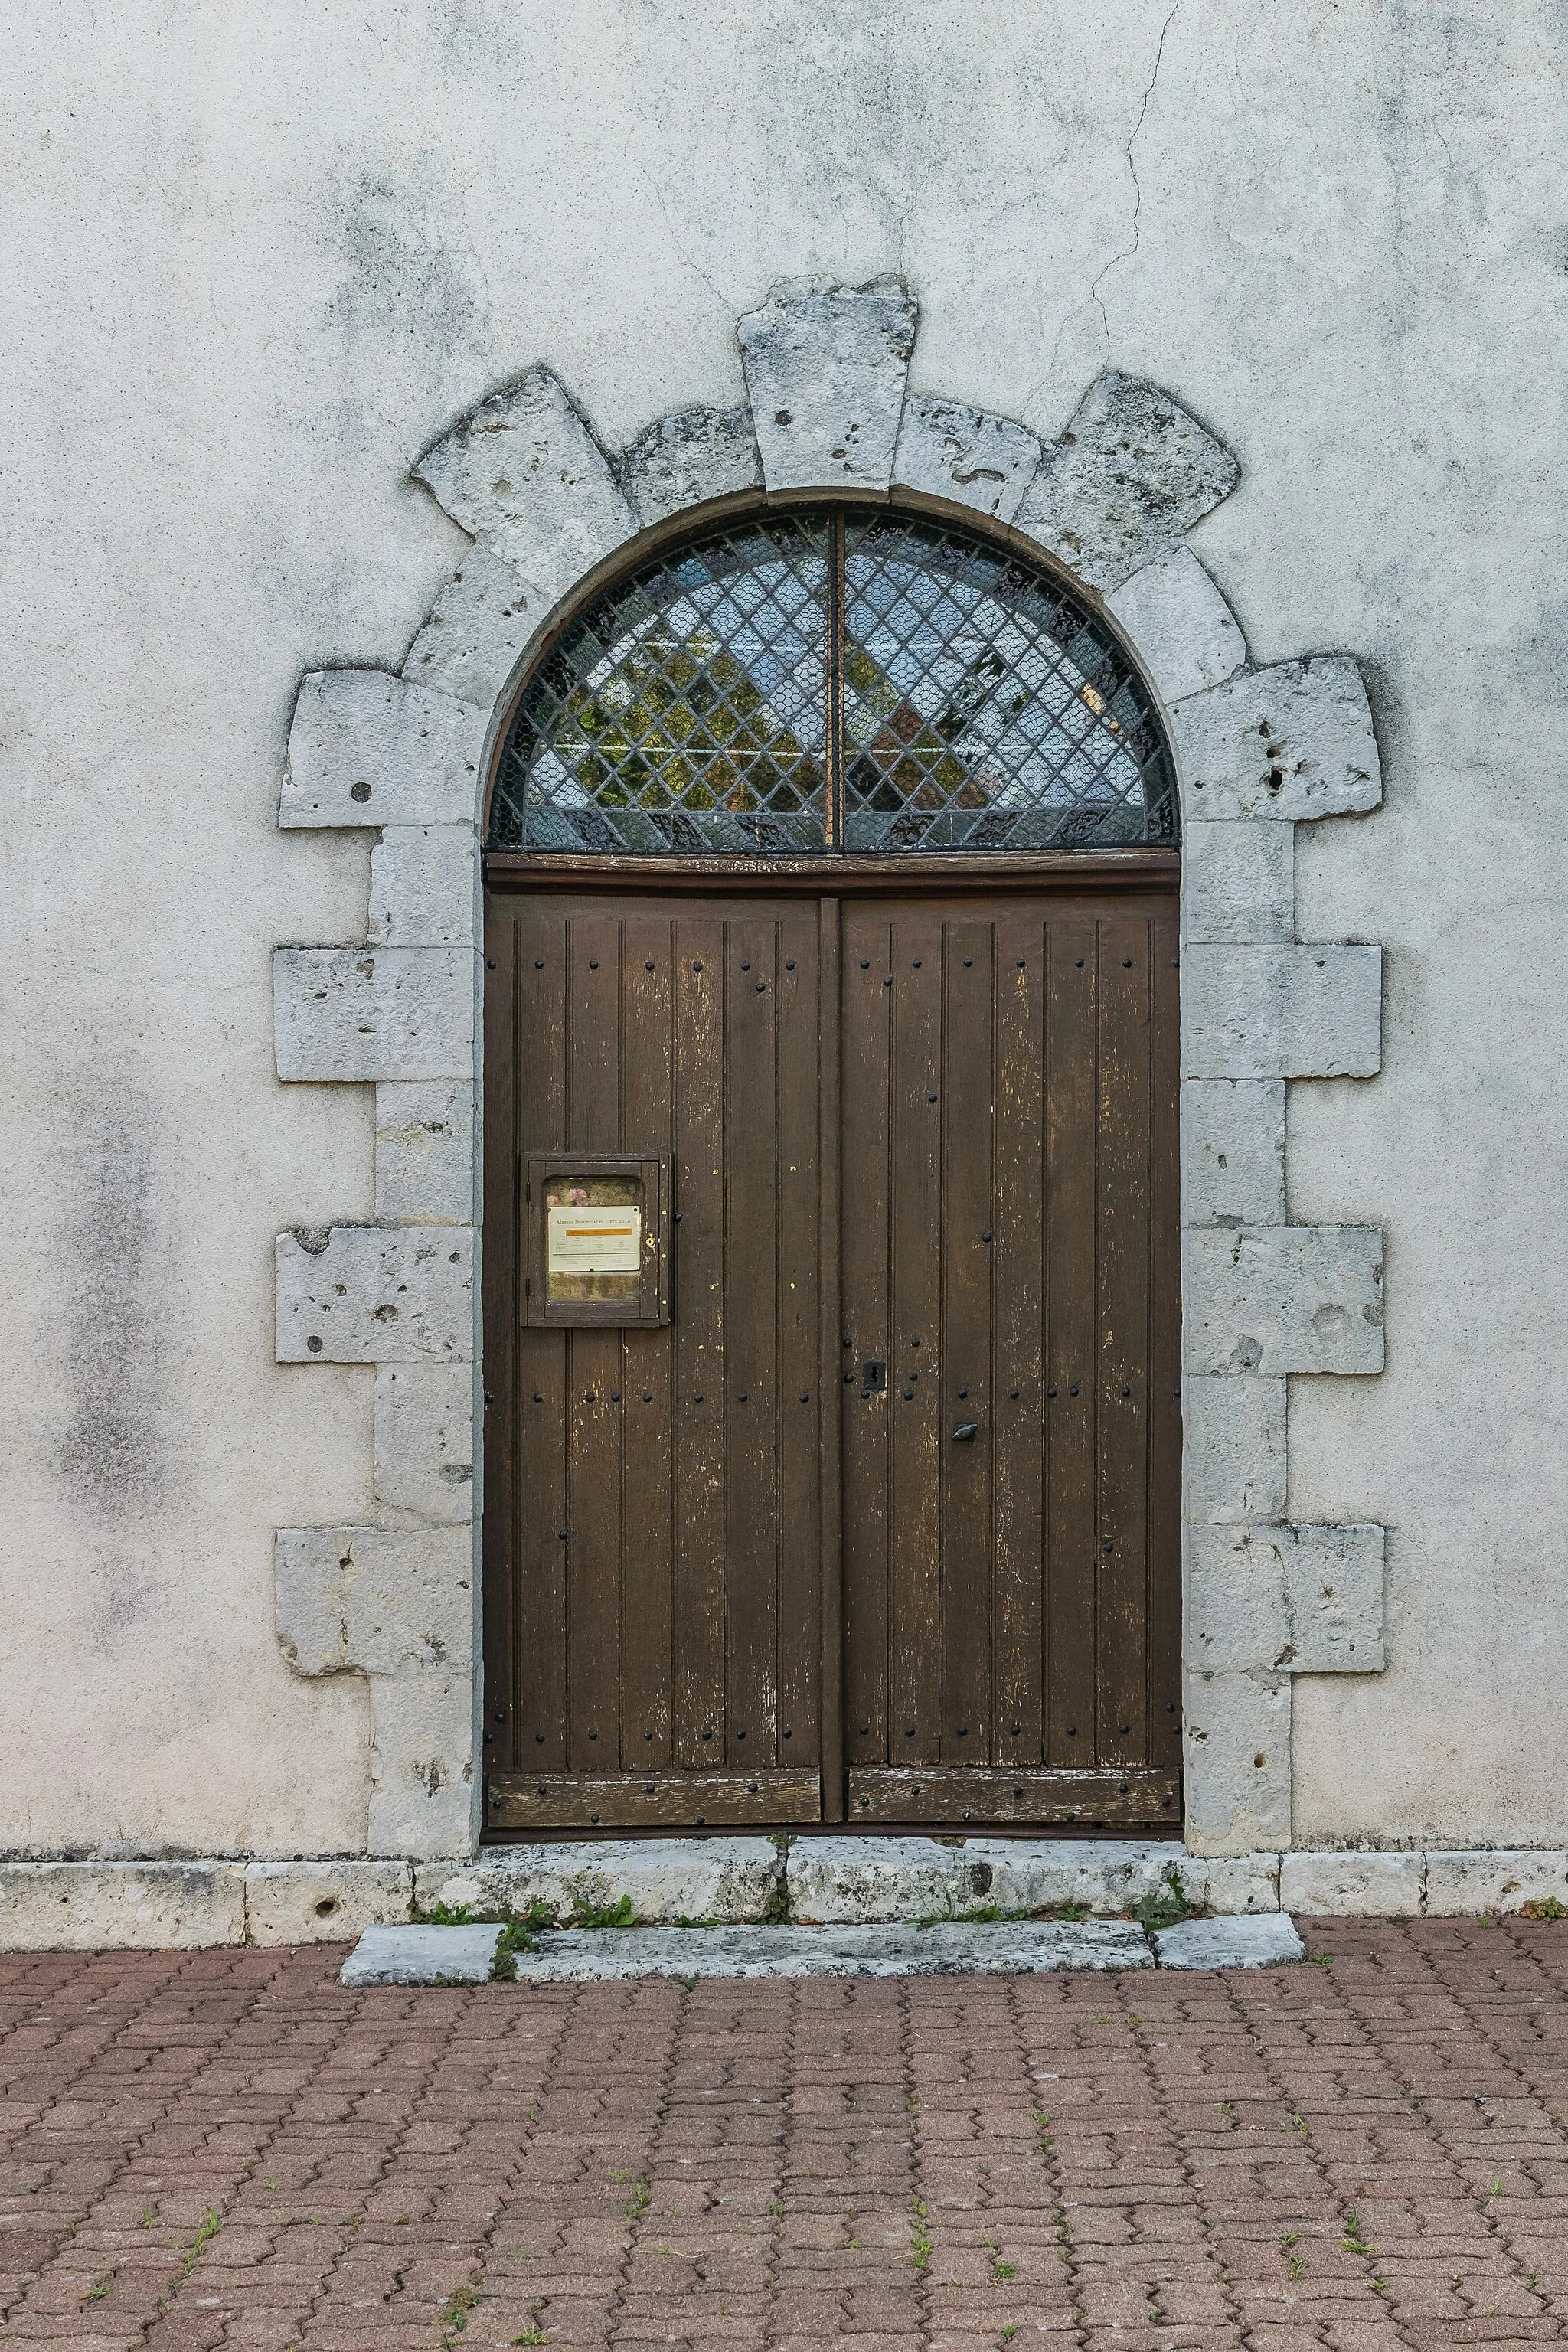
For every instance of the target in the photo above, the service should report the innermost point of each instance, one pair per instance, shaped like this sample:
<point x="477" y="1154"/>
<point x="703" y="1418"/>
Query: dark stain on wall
<point x="114" y="1449"/>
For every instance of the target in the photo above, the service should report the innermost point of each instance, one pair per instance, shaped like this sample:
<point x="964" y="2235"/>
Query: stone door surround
<point x="1258" y="751"/>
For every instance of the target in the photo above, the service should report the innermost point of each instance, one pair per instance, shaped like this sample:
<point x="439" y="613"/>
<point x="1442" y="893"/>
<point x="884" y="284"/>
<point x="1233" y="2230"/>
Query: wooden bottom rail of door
<point x="1104" y="1798"/>
<point x="528" y="1801"/>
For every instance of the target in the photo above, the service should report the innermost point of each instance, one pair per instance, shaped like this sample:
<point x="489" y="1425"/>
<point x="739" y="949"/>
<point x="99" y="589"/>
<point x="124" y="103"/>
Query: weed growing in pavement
<point x="1043" y="2126"/>
<point x="146" y="2221"/>
<point x="1288" y="2245"/>
<point x="455" y="2312"/>
<point x="611" y="1914"/>
<point x="1321" y="1960"/>
<point x="96" y="2294"/>
<point x="1165" y="1906"/>
<point x="212" y="2222"/>
<point x="536" y="2335"/>
<point x="1352" y="2242"/>
<point x="1549" y="1908"/>
<point x="641" y="2195"/>
<point x="1009" y="2332"/>
<point x="923" y="2243"/>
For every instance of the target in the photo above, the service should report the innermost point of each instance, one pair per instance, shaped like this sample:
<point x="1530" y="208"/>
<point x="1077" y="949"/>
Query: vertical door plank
<point x="918" y="1362"/>
<point x="863" y="1213"/>
<point x="1070" y="1365"/>
<point x="968" y="1243"/>
<point x="1018" y="1275"/>
<point x="540" y="1670"/>
<point x="801" y="1427"/>
<point x="750" y="1400"/>
<point x="646" y="1127"/>
<point x="594" y="1516"/>
<point x="1165" y="1362"/>
<point x="502" y="1316"/>
<point x="699" y="1341"/>
<point x="1122" y="1370"/>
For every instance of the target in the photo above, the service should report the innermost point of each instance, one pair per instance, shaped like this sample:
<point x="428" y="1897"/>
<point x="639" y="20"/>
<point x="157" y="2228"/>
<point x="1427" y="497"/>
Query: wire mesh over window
<point x="843" y="680"/>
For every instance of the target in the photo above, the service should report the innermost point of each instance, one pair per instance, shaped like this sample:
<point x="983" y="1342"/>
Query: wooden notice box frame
<point x="642" y="1301"/>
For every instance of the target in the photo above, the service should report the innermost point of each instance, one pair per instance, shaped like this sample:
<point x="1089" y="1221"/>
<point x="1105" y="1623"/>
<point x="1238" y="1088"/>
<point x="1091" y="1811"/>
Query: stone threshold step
<point x="473" y="1954"/>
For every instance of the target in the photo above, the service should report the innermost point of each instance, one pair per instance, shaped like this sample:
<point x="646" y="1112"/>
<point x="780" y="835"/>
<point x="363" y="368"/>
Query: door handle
<point x="964" y="1431"/>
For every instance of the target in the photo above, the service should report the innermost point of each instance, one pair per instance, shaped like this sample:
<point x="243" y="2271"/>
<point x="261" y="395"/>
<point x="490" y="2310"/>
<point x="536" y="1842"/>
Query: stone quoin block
<point x="1240" y="882"/>
<point x="90" y="1907"/>
<point x="1297" y="1600"/>
<point x="950" y="452"/>
<point x="1352" y="1885"/>
<point x="345" y="1015"/>
<point x="1130" y="476"/>
<point x="523" y="473"/>
<point x="1287" y="1299"/>
<point x="425" y="1157"/>
<point x="368" y="749"/>
<point x="685" y="460"/>
<point x="1237" y="1780"/>
<point x="1234" y="1432"/>
<point x="379" y="1601"/>
<point x="1184" y="633"/>
<point x="422" y="1775"/>
<point x="424" y="887"/>
<point x="1293" y="742"/>
<point x="825" y="367"/>
<point x="665" y="1880"/>
<point x="375" y="1295"/>
<point x="425" y="1426"/>
<point x="324" y="1902"/>
<point x="1312" y="1012"/>
<point x="1493" y="1881"/>
<point x="1232" y="1151"/>
<point x="476" y="633"/>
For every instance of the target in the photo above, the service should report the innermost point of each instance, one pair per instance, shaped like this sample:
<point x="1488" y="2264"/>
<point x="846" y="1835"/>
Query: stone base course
<point x="1269" y="1942"/>
<point x="736" y="1881"/>
<point x="230" y="2149"/>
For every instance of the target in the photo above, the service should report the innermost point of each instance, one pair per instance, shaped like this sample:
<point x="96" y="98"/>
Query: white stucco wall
<point x="259" y="259"/>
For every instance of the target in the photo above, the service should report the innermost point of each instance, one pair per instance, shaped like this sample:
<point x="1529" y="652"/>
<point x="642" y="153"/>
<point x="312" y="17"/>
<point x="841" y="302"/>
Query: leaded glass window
<point x="859" y="681"/>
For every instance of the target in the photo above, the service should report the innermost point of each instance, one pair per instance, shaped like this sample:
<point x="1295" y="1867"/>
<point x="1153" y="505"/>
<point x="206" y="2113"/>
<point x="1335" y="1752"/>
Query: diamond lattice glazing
<point x="984" y="707"/>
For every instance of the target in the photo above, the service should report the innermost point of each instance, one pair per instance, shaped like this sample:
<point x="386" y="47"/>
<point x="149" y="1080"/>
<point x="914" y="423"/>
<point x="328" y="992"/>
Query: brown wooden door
<point x="1009" y="1270"/>
<point x="975" y="1232"/>
<point x="654" y="1536"/>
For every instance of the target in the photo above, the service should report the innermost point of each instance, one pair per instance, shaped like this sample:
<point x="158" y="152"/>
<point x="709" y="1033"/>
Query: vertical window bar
<point x="835" y="744"/>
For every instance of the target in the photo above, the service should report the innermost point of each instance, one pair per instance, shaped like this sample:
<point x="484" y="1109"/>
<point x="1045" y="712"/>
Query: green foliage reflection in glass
<point x="984" y="707"/>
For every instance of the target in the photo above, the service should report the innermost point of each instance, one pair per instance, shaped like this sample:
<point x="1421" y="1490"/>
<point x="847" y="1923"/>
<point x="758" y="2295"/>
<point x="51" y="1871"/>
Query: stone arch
<point x="1258" y="751"/>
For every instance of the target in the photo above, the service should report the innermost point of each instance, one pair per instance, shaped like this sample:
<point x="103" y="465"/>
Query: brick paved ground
<point x="225" y="2149"/>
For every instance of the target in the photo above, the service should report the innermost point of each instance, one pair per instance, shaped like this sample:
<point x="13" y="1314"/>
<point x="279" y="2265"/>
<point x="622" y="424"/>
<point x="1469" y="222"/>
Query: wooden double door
<point x="879" y="1523"/>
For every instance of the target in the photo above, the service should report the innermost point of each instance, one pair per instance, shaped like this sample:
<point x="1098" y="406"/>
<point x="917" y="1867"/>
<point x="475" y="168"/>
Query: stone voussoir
<point x="476" y="633"/>
<point x="1293" y="742"/>
<point x="523" y="473"/>
<point x="688" y="460"/>
<point x="1183" y="632"/>
<point x="949" y="451"/>
<point x="375" y="1295"/>
<point x="367" y="749"/>
<point x="381" y="1600"/>
<point x="825" y="367"/>
<point x="1130" y="476"/>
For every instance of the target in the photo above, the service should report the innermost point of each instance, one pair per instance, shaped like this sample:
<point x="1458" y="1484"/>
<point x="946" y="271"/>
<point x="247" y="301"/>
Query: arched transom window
<point x="839" y="680"/>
